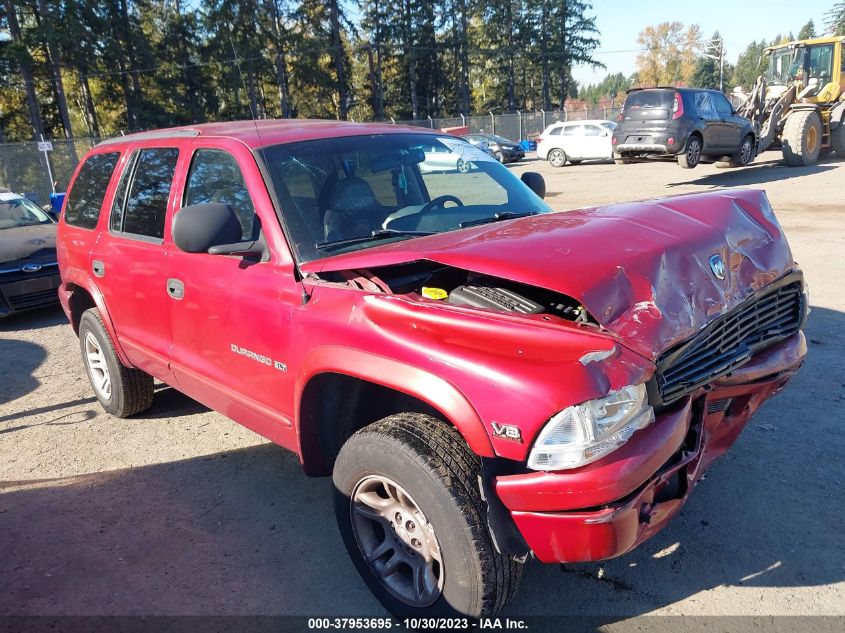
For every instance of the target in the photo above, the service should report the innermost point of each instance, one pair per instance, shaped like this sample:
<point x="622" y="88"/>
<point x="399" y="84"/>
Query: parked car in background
<point x="689" y="124"/>
<point x="29" y="273"/>
<point x="504" y="150"/>
<point x="440" y="159"/>
<point x="575" y="141"/>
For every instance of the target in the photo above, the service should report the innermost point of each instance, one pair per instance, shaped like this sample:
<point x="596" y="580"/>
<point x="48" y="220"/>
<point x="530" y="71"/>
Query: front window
<point x="16" y="212"/>
<point x="801" y="63"/>
<point x="343" y="194"/>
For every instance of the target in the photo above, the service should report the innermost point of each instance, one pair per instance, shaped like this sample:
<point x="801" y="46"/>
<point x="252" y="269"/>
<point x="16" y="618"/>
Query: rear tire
<point x="692" y="154"/>
<point x="801" y="140"/>
<point x="416" y="471"/>
<point x="837" y="140"/>
<point x="557" y="158"/>
<point x="121" y="391"/>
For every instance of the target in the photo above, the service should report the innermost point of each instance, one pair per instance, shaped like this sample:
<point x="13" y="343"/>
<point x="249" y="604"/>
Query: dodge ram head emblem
<point x="717" y="265"/>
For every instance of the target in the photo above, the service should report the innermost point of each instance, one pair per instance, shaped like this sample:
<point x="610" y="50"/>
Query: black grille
<point x="33" y="299"/>
<point x="770" y="316"/>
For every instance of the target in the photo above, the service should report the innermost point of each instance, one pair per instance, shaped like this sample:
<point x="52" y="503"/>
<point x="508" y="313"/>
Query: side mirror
<point x="535" y="182"/>
<point x="200" y="226"/>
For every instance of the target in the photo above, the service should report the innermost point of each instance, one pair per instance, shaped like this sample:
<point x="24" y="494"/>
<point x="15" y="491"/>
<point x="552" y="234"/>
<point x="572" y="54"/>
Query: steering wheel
<point x="440" y="201"/>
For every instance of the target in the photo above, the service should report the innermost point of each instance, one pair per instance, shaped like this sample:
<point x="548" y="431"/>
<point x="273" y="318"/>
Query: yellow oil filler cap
<point x="434" y="293"/>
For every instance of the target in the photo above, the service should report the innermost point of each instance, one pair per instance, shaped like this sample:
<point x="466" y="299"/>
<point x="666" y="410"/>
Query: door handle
<point x="98" y="267"/>
<point x="175" y="289"/>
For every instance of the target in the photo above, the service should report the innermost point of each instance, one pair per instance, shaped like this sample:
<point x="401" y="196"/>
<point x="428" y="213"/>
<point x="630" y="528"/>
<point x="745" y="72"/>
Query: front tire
<point x="411" y="516"/>
<point x="462" y="165"/>
<point x="801" y="139"/>
<point x="122" y="391"/>
<point x="692" y="155"/>
<point x="745" y="154"/>
<point x="557" y="158"/>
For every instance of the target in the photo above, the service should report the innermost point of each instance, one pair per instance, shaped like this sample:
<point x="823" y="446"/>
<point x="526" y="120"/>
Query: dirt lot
<point x="181" y="511"/>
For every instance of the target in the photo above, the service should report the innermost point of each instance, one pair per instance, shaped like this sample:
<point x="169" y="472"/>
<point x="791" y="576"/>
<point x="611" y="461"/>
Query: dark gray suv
<point x="691" y="124"/>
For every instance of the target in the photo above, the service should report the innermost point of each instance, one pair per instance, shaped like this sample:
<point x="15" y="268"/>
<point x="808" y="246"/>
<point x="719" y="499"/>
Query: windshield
<point x="16" y="211"/>
<point x="349" y="193"/>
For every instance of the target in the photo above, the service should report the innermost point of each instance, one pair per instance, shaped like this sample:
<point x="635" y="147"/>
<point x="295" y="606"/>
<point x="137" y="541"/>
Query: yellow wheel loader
<point x="799" y="103"/>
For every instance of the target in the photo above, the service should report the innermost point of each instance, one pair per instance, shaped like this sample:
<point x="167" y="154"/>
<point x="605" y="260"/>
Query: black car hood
<point x="34" y="242"/>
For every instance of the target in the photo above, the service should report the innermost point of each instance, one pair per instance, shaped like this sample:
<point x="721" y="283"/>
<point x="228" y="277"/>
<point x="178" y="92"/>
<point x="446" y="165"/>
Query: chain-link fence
<point x="518" y="126"/>
<point x="26" y="169"/>
<point x="29" y="171"/>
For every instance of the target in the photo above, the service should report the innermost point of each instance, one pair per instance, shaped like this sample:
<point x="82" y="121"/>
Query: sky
<point x="738" y="21"/>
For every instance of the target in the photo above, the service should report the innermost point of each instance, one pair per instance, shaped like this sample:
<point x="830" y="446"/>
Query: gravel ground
<point x="181" y="511"/>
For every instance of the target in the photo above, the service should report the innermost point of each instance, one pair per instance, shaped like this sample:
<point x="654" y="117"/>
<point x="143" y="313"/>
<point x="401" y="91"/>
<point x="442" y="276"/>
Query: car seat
<point x="353" y="210"/>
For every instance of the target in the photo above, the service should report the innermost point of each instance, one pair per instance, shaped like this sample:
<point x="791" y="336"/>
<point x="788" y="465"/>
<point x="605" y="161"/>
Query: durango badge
<point x="506" y="432"/>
<point x="717" y="265"/>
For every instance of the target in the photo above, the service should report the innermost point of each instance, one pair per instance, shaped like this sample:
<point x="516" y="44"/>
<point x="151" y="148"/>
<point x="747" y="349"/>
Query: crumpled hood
<point x="28" y="241"/>
<point x="641" y="269"/>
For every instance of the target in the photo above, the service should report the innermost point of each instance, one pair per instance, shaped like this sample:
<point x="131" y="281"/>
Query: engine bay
<point x="427" y="280"/>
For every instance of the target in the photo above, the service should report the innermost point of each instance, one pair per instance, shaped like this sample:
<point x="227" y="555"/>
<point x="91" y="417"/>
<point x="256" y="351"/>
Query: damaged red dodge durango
<point x="483" y="378"/>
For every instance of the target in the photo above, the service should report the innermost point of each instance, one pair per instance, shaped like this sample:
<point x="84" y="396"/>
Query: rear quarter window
<point x="85" y="199"/>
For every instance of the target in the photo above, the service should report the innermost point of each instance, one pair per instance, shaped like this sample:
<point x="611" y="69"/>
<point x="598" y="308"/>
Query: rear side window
<point x="704" y="106"/>
<point x="573" y="130"/>
<point x="592" y="130"/>
<point x="216" y="177"/>
<point x="141" y="200"/>
<point x="85" y="198"/>
<point x="650" y="99"/>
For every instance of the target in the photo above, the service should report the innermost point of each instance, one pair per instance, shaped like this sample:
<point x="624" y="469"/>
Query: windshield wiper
<point x="504" y="215"/>
<point x="375" y="235"/>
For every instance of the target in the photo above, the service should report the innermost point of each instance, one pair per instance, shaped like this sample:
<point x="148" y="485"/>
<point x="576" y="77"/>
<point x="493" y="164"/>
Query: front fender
<point x="399" y="376"/>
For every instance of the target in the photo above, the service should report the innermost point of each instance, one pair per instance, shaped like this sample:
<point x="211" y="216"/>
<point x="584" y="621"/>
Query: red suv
<point x="484" y="379"/>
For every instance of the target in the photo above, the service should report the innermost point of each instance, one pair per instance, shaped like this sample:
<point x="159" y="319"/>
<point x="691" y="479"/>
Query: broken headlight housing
<point x="585" y="432"/>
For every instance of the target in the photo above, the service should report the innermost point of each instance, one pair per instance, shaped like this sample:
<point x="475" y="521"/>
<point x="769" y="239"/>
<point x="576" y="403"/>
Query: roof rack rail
<point x="152" y="135"/>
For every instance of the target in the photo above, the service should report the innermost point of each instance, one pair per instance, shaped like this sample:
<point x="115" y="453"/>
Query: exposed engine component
<point x="432" y="281"/>
<point x="494" y="299"/>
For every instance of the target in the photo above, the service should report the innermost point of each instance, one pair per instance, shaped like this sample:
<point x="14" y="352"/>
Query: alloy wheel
<point x="557" y="158"/>
<point x="745" y="151"/>
<point x="98" y="369"/>
<point x="694" y="152"/>
<point x="397" y="541"/>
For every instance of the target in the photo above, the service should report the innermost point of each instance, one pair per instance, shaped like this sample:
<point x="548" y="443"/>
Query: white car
<point x="575" y="141"/>
<point x="440" y="159"/>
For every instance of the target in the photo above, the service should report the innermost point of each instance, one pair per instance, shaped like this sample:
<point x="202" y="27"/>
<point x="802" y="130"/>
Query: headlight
<point x="585" y="432"/>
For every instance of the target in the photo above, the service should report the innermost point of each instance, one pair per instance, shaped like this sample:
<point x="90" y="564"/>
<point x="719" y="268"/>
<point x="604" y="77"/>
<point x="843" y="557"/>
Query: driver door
<point x="231" y="315"/>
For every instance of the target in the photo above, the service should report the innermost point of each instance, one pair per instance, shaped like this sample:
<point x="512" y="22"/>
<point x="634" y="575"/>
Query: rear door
<point x="645" y="113"/>
<point x="77" y="232"/>
<point x="231" y="315"/>
<point x="705" y="109"/>
<point x="129" y="257"/>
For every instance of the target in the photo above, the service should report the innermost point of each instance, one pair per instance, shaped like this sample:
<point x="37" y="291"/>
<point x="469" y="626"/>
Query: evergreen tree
<point x="808" y="31"/>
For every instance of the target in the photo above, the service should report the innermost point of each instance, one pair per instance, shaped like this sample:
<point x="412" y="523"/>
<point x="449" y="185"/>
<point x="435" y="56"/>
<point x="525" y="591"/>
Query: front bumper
<point x="607" y="508"/>
<point x="25" y="291"/>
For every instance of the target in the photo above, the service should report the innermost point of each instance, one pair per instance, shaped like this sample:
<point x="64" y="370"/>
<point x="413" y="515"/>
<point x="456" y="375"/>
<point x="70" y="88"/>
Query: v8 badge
<point x="506" y="432"/>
